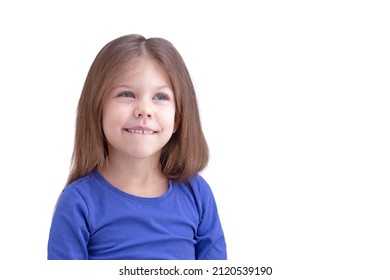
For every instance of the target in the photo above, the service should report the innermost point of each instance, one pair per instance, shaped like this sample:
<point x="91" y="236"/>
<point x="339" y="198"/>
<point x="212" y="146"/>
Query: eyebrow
<point x="164" y="87"/>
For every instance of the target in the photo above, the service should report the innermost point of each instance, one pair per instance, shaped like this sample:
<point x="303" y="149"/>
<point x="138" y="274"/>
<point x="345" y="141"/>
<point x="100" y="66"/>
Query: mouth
<point x="140" y="131"/>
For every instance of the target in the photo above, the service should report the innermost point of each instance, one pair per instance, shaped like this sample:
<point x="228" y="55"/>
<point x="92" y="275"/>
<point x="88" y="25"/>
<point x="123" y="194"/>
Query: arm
<point x="210" y="238"/>
<point x="69" y="232"/>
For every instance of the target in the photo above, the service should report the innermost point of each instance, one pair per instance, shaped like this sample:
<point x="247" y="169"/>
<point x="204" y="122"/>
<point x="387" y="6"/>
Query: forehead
<point x="138" y="66"/>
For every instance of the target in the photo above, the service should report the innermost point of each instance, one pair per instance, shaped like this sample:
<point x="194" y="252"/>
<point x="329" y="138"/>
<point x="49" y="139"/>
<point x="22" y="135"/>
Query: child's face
<point x="139" y="113"/>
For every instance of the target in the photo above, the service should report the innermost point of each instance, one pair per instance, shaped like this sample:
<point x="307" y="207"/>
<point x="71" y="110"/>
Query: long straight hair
<point x="185" y="154"/>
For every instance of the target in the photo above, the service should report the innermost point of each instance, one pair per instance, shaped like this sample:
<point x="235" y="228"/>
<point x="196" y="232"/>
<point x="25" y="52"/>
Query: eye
<point x="161" y="96"/>
<point x="126" y="94"/>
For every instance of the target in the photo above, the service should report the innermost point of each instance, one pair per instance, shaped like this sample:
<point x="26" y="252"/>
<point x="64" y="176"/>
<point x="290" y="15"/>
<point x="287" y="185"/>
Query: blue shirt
<point x="95" y="220"/>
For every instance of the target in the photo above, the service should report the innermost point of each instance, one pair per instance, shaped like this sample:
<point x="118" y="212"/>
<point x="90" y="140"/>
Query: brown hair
<point x="185" y="154"/>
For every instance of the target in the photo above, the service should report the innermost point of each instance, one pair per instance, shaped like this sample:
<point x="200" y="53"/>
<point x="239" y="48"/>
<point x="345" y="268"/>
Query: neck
<point x="141" y="177"/>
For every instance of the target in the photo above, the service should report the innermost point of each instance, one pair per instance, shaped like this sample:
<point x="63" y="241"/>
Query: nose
<point x="142" y="110"/>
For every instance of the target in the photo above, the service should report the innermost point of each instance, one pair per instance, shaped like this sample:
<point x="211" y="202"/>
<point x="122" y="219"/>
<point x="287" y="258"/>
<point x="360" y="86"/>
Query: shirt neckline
<point x="143" y="200"/>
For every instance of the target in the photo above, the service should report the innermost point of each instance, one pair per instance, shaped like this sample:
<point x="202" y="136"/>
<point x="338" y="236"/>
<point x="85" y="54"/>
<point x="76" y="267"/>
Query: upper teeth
<point x="140" y="131"/>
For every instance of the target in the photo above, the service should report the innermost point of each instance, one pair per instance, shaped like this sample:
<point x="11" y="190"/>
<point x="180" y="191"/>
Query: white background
<point x="294" y="101"/>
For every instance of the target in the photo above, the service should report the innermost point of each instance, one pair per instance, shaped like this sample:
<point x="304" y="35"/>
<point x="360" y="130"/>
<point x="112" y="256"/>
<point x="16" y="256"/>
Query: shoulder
<point x="83" y="185"/>
<point x="82" y="182"/>
<point x="79" y="190"/>
<point x="201" y="192"/>
<point x="199" y="184"/>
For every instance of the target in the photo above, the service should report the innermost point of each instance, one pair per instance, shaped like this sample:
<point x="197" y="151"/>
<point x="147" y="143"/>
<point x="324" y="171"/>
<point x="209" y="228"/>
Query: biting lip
<point x="140" y="130"/>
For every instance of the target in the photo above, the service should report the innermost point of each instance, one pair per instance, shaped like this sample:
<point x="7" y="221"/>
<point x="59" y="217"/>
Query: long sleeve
<point x="210" y="238"/>
<point x="69" y="232"/>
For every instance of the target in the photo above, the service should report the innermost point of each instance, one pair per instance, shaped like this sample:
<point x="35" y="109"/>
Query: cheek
<point x="112" y="119"/>
<point x="170" y="119"/>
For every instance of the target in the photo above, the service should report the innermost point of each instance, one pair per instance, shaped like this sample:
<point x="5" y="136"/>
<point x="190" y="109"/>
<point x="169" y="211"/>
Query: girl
<point x="134" y="191"/>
